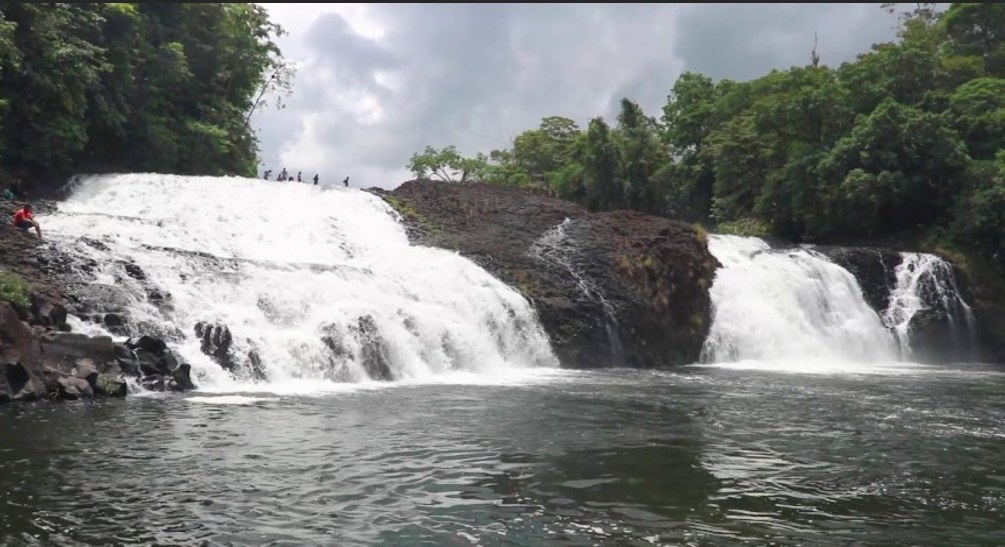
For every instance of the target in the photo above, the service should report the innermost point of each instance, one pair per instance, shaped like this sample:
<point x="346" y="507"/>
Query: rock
<point x="147" y="344"/>
<point x="111" y="386"/>
<point x="48" y="313"/>
<point x="181" y="378"/>
<point x="85" y="369"/>
<point x="62" y="350"/>
<point x="375" y="353"/>
<point x="215" y="341"/>
<point x="874" y="268"/>
<point x="645" y="302"/>
<point x="72" y="388"/>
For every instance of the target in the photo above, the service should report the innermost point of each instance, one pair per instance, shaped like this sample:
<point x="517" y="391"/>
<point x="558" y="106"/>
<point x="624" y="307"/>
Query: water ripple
<point x="707" y="457"/>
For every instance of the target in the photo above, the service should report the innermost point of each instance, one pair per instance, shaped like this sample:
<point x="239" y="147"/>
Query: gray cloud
<point x="475" y="75"/>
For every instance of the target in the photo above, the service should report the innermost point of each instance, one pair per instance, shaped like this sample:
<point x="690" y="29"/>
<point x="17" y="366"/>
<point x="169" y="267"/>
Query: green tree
<point x="896" y="170"/>
<point x="978" y="30"/>
<point x="977" y="111"/>
<point x="133" y="86"/>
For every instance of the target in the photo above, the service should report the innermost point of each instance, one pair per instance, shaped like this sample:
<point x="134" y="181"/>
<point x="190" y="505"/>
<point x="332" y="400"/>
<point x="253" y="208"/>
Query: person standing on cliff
<point x="25" y="220"/>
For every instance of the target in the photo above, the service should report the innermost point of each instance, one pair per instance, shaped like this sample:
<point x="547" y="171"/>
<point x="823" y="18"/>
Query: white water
<point x="297" y="261"/>
<point x="792" y="306"/>
<point x="925" y="281"/>
<point x="795" y="309"/>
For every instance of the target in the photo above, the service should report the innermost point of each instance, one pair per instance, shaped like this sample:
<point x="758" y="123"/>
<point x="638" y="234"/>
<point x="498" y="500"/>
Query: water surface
<point x="703" y="456"/>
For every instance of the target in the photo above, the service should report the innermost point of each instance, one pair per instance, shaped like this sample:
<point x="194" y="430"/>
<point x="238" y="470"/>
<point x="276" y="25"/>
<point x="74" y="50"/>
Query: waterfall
<point x="315" y="284"/>
<point x="927" y="284"/>
<point x="789" y="305"/>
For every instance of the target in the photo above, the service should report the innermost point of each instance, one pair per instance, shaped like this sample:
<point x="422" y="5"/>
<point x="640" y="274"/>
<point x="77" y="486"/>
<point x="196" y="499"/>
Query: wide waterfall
<point x="311" y="281"/>
<point x="795" y="305"/>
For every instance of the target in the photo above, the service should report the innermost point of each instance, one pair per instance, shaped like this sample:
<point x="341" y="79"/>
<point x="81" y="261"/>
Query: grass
<point x="748" y="227"/>
<point x="411" y="214"/>
<point x="14" y="289"/>
<point x="701" y="233"/>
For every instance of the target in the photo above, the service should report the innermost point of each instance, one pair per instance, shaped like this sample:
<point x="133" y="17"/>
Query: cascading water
<point x="309" y="280"/>
<point x="926" y="283"/>
<point x="556" y="247"/>
<point x="790" y="305"/>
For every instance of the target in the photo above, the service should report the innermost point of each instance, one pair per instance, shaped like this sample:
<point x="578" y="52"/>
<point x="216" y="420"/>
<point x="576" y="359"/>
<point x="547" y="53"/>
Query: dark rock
<point x="875" y="270"/>
<point x="375" y="353"/>
<point x="215" y="341"/>
<point x="134" y="271"/>
<point x="646" y="278"/>
<point x="113" y="320"/>
<point x="148" y="344"/>
<point x="48" y="313"/>
<point x="182" y="380"/>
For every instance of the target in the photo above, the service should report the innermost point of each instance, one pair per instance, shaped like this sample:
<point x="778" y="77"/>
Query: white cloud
<point x="378" y="82"/>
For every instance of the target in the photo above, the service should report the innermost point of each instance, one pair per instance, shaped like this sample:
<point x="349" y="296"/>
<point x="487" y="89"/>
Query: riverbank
<point x="42" y="358"/>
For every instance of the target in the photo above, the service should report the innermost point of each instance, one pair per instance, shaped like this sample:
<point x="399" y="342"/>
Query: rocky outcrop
<point x="874" y="268"/>
<point x="39" y="357"/>
<point x="617" y="288"/>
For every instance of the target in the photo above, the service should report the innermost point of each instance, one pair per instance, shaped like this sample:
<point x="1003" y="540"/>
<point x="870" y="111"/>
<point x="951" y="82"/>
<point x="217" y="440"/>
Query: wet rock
<point x="215" y="341"/>
<point x="134" y="271"/>
<point x="875" y="270"/>
<point x="85" y="369"/>
<point x="48" y="313"/>
<point x="97" y="298"/>
<point x="181" y="378"/>
<point x="72" y="388"/>
<point x="374" y="354"/>
<point x="115" y="323"/>
<point x="625" y="289"/>
<point x="109" y="385"/>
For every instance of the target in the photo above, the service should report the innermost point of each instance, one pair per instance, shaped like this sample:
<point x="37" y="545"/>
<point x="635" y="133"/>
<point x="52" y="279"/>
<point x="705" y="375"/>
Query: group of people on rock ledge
<point x="283" y="176"/>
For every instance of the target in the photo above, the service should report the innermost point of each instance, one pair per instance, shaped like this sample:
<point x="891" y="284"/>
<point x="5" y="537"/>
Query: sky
<point x="376" y="83"/>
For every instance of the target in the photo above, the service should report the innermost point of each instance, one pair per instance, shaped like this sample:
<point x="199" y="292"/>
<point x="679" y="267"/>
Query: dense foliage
<point x="133" y="87"/>
<point x="905" y="141"/>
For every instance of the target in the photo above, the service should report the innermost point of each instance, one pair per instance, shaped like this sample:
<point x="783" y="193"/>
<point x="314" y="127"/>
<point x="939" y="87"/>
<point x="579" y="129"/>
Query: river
<point x="708" y="455"/>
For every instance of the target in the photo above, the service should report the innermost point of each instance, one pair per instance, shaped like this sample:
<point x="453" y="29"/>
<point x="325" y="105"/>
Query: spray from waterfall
<point x="297" y="283"/>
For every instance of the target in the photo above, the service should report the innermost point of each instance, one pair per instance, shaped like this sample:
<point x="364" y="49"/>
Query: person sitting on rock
<point x="25" y="220"/>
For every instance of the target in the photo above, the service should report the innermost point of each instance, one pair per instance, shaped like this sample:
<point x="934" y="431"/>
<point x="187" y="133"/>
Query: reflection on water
<point x="705" y="456"/>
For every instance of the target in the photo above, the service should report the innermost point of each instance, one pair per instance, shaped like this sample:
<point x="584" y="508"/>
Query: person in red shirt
<point x="25" y="220"/>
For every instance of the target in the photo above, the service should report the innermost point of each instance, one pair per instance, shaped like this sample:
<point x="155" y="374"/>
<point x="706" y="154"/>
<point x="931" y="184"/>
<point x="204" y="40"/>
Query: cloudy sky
<point x="378" y="82"/>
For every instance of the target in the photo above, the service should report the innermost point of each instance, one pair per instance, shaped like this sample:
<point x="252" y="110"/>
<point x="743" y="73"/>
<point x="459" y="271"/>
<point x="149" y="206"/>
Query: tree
<point x="133" y="86"/>
<point x="979" y="30"/>
<point x="446" y="164"/>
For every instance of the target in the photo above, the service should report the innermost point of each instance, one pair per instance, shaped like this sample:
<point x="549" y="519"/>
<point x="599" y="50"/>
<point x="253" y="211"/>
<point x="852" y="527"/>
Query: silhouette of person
<point x="315" y="179"/>
<point x="346" y="182"/>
